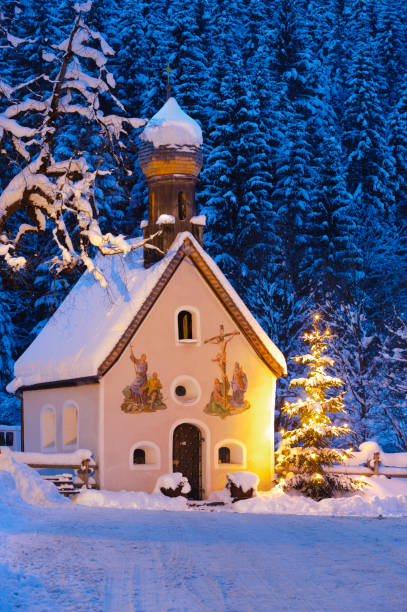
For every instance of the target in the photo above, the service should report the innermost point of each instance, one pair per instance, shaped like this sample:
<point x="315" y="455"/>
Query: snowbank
<point x="382" y="497"/>
<point x="129" y="500"/>
<point x="19" y="482"/>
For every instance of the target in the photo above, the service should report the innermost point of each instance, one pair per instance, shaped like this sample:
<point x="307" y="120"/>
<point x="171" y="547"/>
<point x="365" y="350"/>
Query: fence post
<point x="376" y="459"/>
<point x="85" y="464"/>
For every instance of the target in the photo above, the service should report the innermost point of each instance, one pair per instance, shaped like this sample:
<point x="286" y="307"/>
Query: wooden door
<point x="187" y="456"/>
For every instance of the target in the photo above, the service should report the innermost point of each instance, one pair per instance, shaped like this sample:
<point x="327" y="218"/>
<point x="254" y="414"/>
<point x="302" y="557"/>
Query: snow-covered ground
<point x="80" y="558"/>
<point x="61" y="556"/>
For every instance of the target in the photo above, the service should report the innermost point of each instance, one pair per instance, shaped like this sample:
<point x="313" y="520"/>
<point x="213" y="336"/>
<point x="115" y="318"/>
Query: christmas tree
<point x="306" y="451"/>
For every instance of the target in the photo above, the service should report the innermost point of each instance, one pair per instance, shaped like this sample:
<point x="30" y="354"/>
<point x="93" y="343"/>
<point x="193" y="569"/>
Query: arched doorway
<point x="187" y="456"/>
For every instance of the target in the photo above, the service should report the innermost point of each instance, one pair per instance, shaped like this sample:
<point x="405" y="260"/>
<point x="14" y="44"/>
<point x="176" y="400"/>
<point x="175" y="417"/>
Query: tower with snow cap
<point x="171" y="159"/>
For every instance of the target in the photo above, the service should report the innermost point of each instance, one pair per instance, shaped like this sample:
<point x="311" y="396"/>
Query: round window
<point x="185" y="390"/>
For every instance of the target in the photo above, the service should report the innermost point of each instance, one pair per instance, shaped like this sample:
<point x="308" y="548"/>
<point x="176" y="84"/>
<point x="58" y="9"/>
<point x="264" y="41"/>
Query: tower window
<point x="182" y="205"/>
<point x="153" y="210"/>
<point x="224" y="454"/>
<point x="184" y="325"/>
<point x="139" y="456"/>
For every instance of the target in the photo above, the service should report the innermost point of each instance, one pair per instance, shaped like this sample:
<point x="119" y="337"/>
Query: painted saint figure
<point x="139" y="384"/>
<point x="144" y="393"/>
<point x="239" y="386"/>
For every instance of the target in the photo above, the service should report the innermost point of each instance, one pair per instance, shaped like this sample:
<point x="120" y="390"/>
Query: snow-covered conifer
<point x="306" y="449"/>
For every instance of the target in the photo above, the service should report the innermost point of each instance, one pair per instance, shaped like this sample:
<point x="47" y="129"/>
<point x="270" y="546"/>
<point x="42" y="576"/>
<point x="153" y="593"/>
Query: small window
<point x="139" y="456"/>
<point x="145" y="456"/>
<point x="2" y="439"/>
<point x="153" y="211"/>
<point x="9" y="438"/>
<point x="184" y="325"/>
<point x="182" y="205"/>
<point x="224" y="454"/>
<point x="185" y="390"/>
<point x="230" y="452"/>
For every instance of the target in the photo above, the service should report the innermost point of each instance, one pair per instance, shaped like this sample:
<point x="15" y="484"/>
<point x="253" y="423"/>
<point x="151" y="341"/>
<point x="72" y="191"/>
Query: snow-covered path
<point x="79" y="558"/>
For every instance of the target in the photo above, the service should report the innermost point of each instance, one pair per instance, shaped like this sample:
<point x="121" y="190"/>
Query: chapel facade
<point x="169" y="371"/>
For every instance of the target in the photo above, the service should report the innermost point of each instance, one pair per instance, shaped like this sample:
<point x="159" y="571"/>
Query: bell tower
<point x="171" y="158"/>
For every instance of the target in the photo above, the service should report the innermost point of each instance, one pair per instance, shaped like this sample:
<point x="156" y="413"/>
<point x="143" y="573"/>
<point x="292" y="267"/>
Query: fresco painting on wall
<point x="227" y="397"/>
<point x="144" y="393"/>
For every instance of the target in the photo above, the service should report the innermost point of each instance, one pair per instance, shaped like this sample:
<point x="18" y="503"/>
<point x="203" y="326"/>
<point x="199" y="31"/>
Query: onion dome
<point x="171" y="143"/>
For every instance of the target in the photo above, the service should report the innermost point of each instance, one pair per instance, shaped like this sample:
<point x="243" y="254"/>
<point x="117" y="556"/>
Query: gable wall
<point x="156" y="338"/>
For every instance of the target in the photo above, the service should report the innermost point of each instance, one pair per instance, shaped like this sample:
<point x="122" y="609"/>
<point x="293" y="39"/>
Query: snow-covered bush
<point x="172" y="485"/>
<point x="242" y="485"/>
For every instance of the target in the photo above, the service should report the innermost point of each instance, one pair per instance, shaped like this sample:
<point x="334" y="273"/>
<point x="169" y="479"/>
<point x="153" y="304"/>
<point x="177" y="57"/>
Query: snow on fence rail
<point x="81" y="460"/>
<point x="370" y="460"/>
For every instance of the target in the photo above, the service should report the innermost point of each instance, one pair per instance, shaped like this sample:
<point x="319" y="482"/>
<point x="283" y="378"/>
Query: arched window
<point x="153" y="211"/>
<point x="139" y="456"/>
<point x="230" y="452"/>
<point x="224" y="454"/>
<point x="48" y="427"/>
<point x="182" y="205"/>
<point x="184" y="325"/>
<point x="145" y="456"/>
<point x="70" y="425"/>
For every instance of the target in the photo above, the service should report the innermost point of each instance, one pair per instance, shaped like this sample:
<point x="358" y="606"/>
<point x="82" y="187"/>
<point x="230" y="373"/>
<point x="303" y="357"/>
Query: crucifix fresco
<point x="223" y="403"/>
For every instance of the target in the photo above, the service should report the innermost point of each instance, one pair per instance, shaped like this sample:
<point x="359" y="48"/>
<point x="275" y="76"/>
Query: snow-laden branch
<point x="49" y="189"/>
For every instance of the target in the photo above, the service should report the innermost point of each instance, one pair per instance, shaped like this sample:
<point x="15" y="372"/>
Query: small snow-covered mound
<point x="244" y="480"/>
<point x="20" y="482"/>
<point x="382" y="496"/>
<point x="172" y="482"/>
<point x="129" y="500"/>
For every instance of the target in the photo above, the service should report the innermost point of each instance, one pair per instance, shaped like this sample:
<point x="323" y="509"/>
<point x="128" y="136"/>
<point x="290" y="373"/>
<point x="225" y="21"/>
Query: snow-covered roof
<point x="92" y="319"/>
<point x="172" y="127"/>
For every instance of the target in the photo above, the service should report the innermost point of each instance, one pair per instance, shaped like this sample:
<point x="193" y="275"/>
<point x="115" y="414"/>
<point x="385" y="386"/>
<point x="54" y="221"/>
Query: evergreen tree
<point x="393" y="393"/>
<point x="398" y="149"/>
<point x="333" y="254"/>
<point x="306" y="449"/>
<point x="368" y="159"/>
<point x="357" y="360"/>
